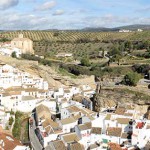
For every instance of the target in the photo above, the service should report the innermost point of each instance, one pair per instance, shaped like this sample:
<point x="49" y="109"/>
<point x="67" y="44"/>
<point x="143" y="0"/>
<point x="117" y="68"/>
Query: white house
<point x="84" y="132"/>
<point x="50" y="103"/>
<point x="95" y="135"/>
<point x="141" y="133"/>
<point x="113" y="134"/>
<point x="69" y="138"/>
<point x="68" y="124"/>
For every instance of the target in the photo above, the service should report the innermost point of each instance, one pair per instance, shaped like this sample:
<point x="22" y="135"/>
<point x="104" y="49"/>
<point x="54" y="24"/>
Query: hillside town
<point x="74" y="75"/>
<point x="64" y="118"/>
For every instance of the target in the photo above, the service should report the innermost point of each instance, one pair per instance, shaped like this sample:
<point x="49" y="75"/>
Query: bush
<point x="31" y="57"/>
<point x="35" y="58"/>
<point x="17" y="126"/>
<point x="14" y="55"/>
<point x="4" y="39"/>
<point x="45" y="62"/>
<point x="11" y="120"/>
<point x="85" y="62"/>
<point x="131" y="79"/>
<point x="144" y="68"/>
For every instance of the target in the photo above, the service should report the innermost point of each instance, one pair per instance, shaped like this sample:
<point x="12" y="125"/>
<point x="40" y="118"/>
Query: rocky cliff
<point x="54" y="79"/>
<point x="115" y="96"/>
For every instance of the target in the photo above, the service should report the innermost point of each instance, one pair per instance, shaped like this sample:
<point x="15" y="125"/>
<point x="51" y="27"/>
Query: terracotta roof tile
<point x="114" y="131"/>
<point x="58" y="145"/>
<point x="9" y="142"/>
<point x="73" y="109"/>
<point x="49" y="124"/>
<point x="114" y="146"/>
<point x="71" y="137"/>
<point x="67" y="121"/>
<point x="128" y="114"/>
<point x="123" y="120"/>
<point x="76" y="146"/>
<point x="124" y="135"/>
<point x="85" y="126"/>
<point x="147" y="146"/>
<point x="96" y="130"/>
<point x="43" y="112"/>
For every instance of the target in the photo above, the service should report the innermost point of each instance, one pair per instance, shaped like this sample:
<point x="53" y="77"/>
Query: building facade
<point x="25" y="44"/>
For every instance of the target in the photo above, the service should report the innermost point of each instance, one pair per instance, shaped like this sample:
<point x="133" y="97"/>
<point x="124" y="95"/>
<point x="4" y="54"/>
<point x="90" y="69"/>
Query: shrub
<point x="17" y="126"/>
<point x="131" y="79"/>
<point x="14" y="55"/>
<point x="11" y="120"/>
<point x="85" y="62"/>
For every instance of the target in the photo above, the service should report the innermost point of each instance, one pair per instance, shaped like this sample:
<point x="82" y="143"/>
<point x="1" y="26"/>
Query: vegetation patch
<point x="17" y="126"/>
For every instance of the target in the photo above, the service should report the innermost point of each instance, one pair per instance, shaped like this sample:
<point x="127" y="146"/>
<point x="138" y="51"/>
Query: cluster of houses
<point x="64" y="117"/>
<point x="78" y="127"/>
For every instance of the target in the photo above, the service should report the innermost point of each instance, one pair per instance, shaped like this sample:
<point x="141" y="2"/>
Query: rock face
<point x="90" y="80"/>
<point x="54" y="79"/>
<point x="112" y="97"/>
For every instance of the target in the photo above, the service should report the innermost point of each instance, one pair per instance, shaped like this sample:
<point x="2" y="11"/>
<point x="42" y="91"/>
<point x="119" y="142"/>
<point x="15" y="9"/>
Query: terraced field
<point x="53" y="42"/>
<point x="67" y="35"/>
<point x="75" y="35"/>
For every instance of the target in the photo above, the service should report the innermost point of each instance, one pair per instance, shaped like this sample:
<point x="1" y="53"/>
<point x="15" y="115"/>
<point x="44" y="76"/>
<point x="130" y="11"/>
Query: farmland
<point x="67" y="36"/>
<point x="121" y="47"/>
<point x="78" y="43"/>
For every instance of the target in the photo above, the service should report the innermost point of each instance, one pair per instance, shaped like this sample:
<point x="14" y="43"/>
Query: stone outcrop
<point x="54" y="79"/>
<point x="111" y="97"/>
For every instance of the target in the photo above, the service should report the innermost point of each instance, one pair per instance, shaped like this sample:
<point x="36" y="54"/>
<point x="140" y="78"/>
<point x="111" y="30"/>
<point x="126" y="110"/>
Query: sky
<point x="71" y="14"/>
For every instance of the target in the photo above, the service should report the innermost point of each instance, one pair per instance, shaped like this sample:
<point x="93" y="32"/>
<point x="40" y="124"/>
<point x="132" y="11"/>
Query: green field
<point x="66" y="36"/>
<point x="72" y="36"/>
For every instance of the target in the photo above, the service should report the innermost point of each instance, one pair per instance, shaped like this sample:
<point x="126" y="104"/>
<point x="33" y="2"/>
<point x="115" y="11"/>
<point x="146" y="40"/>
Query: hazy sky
<point x="72" y="14"/>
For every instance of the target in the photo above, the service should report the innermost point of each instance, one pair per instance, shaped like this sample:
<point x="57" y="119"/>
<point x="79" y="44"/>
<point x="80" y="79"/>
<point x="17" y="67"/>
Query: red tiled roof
<point x="140" y="125"/>
<point x="9" y="142"/>
<point x="114" y="146"/>
<point x="114" y="131"/>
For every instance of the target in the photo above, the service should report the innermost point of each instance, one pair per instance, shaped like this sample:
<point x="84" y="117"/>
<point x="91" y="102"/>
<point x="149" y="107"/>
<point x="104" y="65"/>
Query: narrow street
<point x="33" y="138"/>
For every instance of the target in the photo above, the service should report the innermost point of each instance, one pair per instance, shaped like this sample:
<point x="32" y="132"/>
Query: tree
<point x="56" y="34"/>
<point x="115" y="54"/>
<point x="131" y="79"/>
<point x="114" y="51"/>
<point x="11" y="120"/>
<point x="128" y="45"/>
<point x="14" y="54"/>
<point x="85" y="62"/>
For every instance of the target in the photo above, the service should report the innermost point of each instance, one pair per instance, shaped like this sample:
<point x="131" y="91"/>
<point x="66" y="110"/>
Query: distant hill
<point x="99" y="29"/>
<point x="135" y="27"/>
<point x="129" y="27"/>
